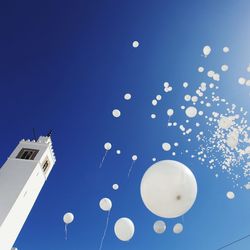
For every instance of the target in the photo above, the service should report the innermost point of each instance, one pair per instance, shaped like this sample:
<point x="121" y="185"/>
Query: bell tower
<point x="21" y="179"/>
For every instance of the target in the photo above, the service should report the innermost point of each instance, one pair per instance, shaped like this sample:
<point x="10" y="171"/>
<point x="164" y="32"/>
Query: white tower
<point x="21" y="180"/>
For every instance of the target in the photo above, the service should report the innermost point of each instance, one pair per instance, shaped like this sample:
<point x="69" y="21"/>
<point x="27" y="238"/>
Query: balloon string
<point x="105" y="230"/>
<point x="131" y="167"/>
<point x="103" y="158"/>
<point x="234" y="242"/>
<point x="66" y="231"/>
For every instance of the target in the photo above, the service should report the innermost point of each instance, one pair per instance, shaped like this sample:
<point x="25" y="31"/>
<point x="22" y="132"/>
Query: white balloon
<point x="105" y="204"/>
<point x="187" y="98"/>
<point x="153" y="116"/>
<point x="115" y="186"/>
<point x="224" y="67"/>
<point x="107" y="145"/>
<point x="124" y="229"/>
<point x="168" y="189"/>
<point x="136" y="44"/>
<point x="248" y="68"/>
<point x="170" y="112"/>
<point x="200" y="69"/>
<point x="242" y="80"/>
<point x="191" y="112"/>
<point x="159" y="227"/>
<point x="230" y="195"/>
<point x="226" y="49"/>
<point x="127" y="96"/>
<point x="154" y="102"/>
<point x="210" y="73"/>
<point x="134" y="157"/>
<point x="166" y="146"/>
<point x="158" y="97"/>
<point x="116" y="113"/>
<point x="68" y="218"/>
<point x="178" y="228"/>
<point x="185" y="85"/>
<point x="118" y="151"/>
<point x="206" y="50"/>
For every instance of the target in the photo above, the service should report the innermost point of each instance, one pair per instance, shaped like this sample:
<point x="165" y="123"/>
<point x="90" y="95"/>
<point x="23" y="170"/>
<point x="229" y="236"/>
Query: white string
<point x="105" y="230"/>
<point x="131" y="167"/>
<point x="234" y="242"/>
<point x="66" y="232"/>
<point x="103" y="158"/>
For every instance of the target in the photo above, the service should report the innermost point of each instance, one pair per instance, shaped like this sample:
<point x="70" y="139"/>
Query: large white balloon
<point x="178" y="228"/>
<point x="105" y="204"/>
<point x="160" y="227"/>
<point x="168" y="189"/>
<point x="191" y="112"/>
<point x="68" y="218"/>
<point x="124" y="229"/>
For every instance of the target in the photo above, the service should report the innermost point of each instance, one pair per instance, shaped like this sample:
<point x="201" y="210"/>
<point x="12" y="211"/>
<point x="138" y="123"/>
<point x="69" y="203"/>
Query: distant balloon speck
<point x="135" y="44"/>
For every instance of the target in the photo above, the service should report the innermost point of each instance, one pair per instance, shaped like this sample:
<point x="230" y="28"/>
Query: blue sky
<point x="65" y="65"/>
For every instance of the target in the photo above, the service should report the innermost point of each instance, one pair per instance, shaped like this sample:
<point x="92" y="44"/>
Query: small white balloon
<point x="185" y="85"/>
<point x="166" y="84"/>
<point x="230" y="195"/>
<point x="170" y="112"/>
<point x="68" y="218"/>
<point x="134" y="157"/>
<point x="191" y="112"/>
<point x="206" y="50"/>
<point x="105" y="204"/>
<point x="187" y="98"/>
<point x="159" y="227"/>
<point x="154" y="102"/>
<point x="248" y="83"/>
<point x="224" y="67"/>
<point x="124" y="229"/>
<point x="107" y="146"/>
<point x="127" y="97"/>
<point x="226" y="49"/>
<point x="135" y="44"/>
<point x="116" y="113"/>
<point x="248" y="68"/>
<point x="118" y="151"/>
<point x="115" y="186"/>
<point x="153" y="116"/>
<point x="166" y="146"/>
<point x="158" y="97"/>
<point x="201" y="69"/>
<point x="210" y="73"/>
<point x="178" y="228"/>
<point x="242" y="81"/>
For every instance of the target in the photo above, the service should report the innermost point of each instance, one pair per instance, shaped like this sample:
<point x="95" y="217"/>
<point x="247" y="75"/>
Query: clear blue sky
<point x="64" y="65"/>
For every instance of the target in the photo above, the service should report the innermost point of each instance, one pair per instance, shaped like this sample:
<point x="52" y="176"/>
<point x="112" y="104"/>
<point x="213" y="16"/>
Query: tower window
<point x="45" y="166"/>
<point x="27" y="154"/>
